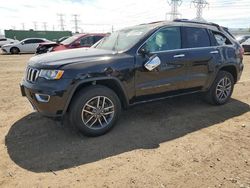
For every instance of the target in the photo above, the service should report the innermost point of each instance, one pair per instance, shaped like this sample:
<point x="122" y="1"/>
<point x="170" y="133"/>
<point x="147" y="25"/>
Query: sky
<point x="102" y="15"/>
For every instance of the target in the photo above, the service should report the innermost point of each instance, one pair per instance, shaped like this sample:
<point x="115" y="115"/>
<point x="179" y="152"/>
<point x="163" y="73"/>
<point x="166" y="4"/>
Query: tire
<point x="14" y="50"/>
<point x="221" y="89"/>
<point x="89" y="119"/>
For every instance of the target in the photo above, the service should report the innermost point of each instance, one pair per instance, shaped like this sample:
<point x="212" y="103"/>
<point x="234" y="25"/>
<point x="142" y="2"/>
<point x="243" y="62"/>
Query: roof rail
<point x="198" y="22"/>
<point x="220" y="28"/>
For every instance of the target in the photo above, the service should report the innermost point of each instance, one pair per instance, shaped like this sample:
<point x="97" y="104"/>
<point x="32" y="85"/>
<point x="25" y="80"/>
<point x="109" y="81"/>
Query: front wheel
<point x="94" y="110"/>
<point x="14" y="50"/>
<point x="222" y="88"/>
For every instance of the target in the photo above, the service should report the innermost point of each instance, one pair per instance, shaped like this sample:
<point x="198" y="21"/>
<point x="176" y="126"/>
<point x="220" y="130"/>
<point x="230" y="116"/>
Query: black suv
<point x="134" y="65"/>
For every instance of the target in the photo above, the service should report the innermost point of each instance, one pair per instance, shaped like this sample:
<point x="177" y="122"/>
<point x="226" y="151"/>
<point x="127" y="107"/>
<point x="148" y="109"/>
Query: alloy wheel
<point x="98" y="112"/>
<point x="223" y="89"/>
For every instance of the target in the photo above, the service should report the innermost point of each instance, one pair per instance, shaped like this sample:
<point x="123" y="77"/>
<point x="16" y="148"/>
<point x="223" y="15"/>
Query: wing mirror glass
<point x="153" y="62"/>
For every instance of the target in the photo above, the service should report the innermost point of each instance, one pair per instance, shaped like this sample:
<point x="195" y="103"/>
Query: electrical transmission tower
<point x="200" y="5"/>
<point x="35" y="25"/>
<point x="174" y="9"/>
<point x="23" y="26"/>
<point x="61" y="21"/>
<point x="45" y="26"/>
<point x="76" y="21"/>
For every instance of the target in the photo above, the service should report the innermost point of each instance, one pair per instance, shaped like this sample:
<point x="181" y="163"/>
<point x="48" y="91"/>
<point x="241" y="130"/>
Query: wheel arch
<point x="16" y="48"/>
<point x="112" y="83"/>
<point x="232" y="70"/>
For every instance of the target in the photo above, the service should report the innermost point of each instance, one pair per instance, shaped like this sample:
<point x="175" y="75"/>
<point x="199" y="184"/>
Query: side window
<point x="3" y="39"/>
<point x="97" y="38"/>
<point x="220" y="39"/>
<point x="38" y="41"/>
<point x="165" y="39"/>
<point x="28" y="41"/>
<point x="31" y="41"/>
<point x="195" y="37"/>
<point x="87" y="41"/>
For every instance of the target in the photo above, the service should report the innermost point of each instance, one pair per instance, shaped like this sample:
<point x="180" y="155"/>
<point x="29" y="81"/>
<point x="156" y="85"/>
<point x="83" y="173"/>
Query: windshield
<point x="69" y="40"/>
<point x="123" y="39"/>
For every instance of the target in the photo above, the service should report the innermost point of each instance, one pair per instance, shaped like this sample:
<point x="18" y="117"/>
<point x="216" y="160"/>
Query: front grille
<point x="32" y="74"/>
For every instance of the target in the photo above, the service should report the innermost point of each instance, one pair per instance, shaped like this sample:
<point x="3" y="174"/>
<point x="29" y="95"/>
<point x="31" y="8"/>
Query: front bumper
<point x="56" y="103"/>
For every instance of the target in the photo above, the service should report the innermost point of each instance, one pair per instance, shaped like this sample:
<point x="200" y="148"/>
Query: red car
<point x="76" y="41"/>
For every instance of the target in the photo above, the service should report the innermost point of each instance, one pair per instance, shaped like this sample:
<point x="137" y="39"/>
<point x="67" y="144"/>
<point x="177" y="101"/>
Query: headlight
<point x="51" y="74"/>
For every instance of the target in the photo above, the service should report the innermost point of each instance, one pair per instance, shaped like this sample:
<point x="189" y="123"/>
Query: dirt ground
<point x="181" y="142"/>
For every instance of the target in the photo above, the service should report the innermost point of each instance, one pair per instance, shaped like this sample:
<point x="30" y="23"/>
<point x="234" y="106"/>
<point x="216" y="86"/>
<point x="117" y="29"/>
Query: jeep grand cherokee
<point x="134" y="65"/>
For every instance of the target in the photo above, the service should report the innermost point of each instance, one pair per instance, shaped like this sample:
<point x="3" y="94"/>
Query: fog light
<point x="42" y="97"/>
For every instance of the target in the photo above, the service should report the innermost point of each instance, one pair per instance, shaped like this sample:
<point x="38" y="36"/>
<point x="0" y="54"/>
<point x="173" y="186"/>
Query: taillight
<point x="241" y="52"/>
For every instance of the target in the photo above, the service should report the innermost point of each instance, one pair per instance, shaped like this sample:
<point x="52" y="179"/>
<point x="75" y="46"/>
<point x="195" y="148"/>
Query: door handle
<point x="214" y="52"/>
<point x="179" y="55"/>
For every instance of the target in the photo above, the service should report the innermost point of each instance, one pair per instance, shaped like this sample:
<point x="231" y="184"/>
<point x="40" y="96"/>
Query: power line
<point x="200" y="5"/>
<point x="61" y="21"/>
<point x="174" y="9"/>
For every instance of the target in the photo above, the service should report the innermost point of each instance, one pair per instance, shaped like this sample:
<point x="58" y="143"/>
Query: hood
<point x="65" y="57"/>
<point x="8" y="45"/>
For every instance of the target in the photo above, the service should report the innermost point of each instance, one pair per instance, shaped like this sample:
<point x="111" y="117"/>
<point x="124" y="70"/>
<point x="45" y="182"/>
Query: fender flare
<point x="80" y="82"/>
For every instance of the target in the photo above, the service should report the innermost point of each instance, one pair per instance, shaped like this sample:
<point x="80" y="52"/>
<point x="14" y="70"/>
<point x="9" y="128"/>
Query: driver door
<point x="171" y="74"/>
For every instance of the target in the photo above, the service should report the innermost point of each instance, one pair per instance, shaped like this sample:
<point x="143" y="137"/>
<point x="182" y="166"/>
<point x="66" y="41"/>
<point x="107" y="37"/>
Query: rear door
<point x="201" y="56"/>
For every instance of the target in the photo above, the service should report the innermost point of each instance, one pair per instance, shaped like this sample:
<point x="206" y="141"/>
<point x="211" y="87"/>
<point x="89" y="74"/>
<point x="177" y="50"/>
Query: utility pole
<point x="61" y="21"/>
<point x="174" y="9"/>
<point x="35" y="25"/>
<point x="45" y="26"/>
<point x="200" y="5"/>
<point x="76" y="21"/>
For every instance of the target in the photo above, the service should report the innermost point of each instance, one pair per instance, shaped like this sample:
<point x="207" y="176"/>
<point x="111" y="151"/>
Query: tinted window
<point x="30" y="41"/>
<point x="87" y="41"/>
<point x="97" y="38"/>
<point x="221" y="39"/>
<point x="195" y="37"/>
<point x="165" y="39"/>
<point x="3" y="39"/>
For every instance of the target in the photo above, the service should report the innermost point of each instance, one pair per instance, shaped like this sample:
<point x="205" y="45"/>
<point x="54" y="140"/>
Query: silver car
<point x="27" y="45"/>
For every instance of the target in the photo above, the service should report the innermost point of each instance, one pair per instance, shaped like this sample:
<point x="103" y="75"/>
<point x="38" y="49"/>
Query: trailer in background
<point x="22" y="34"/>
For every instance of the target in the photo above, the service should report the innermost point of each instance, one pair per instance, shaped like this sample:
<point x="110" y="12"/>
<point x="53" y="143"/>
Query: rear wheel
<point x="222" y="88"/>
<point x="14" y="50"/>
<point x="95" y="110"/>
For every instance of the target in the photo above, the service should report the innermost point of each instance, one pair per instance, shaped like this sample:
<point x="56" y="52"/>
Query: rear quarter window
<point x="220" y="39"/>
<point x="195" y="37"/>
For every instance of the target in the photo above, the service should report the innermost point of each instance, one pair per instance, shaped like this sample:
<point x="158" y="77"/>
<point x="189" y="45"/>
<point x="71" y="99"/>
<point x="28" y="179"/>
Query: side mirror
<point x="22" y="43"/>
<point x="144" y="52"/>
<point x="153" y="62"/>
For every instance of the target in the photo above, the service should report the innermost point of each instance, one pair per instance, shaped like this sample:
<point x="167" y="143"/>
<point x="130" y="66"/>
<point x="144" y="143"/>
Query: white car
<point x="28" y="45"/>
<point x="4" y="41"/>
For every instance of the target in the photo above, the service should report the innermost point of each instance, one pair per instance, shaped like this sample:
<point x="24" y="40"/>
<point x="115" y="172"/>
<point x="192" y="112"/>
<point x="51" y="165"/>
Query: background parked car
<point x="242" y="38"/>
<point x="28" y="45"/>
<point x="246" y="45"/>
<point x="76" y="41"/>
<point x="4" y="41"/>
